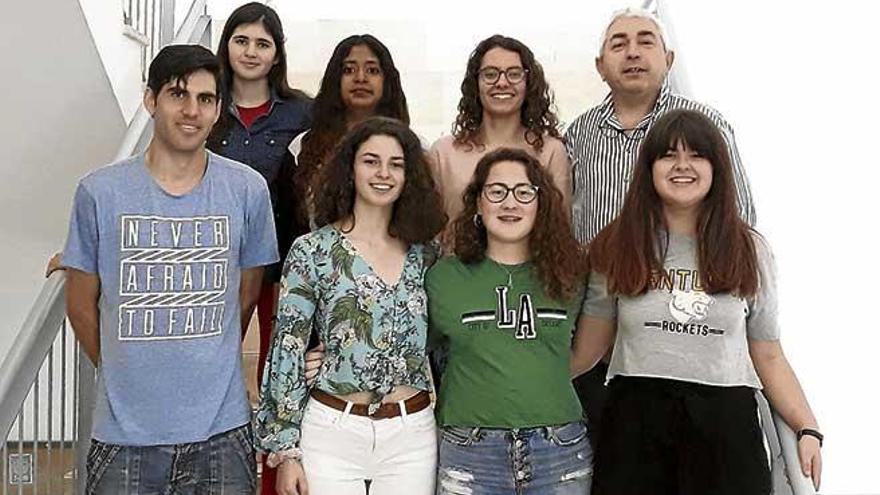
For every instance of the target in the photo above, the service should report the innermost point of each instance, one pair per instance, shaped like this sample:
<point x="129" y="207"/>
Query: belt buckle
<point x="372" y="408"/>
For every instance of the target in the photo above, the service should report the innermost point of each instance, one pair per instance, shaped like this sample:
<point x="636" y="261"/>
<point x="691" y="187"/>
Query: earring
<point x="478" y="221"/>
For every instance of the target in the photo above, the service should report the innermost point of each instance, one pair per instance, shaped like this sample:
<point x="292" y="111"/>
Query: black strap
<point x="812" y="433"/>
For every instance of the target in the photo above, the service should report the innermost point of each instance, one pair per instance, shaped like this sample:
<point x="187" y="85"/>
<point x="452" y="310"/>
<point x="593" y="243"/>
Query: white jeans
<point x="341" y="450"/>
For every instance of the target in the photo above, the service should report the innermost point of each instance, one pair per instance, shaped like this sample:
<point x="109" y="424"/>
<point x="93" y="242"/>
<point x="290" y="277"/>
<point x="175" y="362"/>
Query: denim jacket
<point x="263" y="147"/>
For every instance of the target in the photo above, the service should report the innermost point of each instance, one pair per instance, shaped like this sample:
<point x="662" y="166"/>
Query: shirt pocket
<point x="276" y="143"/>
<point x="462" y="436"/>
<point x="568" y="434"/>
<point x="272" y="147"/>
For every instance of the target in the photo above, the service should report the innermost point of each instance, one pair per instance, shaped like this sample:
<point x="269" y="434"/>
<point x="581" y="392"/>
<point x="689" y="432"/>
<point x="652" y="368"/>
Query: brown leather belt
<point x="381" y="411"/>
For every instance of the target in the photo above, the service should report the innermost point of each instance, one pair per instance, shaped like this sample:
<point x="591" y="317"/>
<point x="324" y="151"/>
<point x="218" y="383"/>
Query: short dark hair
<point x="175" y="63"/>
<point x="418" y="214"/>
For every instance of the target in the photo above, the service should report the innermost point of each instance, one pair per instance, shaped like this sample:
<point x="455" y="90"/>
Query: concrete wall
<point x="119" y="54"/>
<point x="61" y="120"/>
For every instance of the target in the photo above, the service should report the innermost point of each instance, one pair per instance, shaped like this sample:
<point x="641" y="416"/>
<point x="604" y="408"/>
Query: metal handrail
<point x="800" y="483"/>
<point x="140" y="20"/>
<point x="30" y="347"/>
<point x="47" y="313"/>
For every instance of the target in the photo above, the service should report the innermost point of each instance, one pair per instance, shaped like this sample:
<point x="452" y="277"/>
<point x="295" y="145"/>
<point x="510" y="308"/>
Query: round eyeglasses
<point x="514" y="75"/>
<point x="497" y="192"/>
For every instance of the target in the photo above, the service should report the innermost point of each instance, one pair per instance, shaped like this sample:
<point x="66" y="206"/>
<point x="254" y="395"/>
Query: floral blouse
<point x="374" y="333"/>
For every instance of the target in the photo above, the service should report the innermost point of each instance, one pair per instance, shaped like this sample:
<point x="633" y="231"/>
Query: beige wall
<point x="431" y="46"/>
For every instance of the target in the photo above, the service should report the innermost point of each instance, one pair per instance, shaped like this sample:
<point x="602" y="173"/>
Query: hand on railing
<point x="796" y="455"/>
<point x="811" y="458"/>
<point x="54" y="264"/>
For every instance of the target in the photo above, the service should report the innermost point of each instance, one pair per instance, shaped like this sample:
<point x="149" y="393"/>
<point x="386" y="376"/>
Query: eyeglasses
<point x="497" y="192"/>
<point x="514" y="75"/>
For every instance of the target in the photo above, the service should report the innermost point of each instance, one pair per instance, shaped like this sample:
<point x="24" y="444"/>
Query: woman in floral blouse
<point x="358" y="282"/>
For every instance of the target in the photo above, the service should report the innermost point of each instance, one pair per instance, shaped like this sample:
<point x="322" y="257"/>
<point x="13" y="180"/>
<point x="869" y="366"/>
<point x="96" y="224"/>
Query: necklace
<point x="510" y="270"/>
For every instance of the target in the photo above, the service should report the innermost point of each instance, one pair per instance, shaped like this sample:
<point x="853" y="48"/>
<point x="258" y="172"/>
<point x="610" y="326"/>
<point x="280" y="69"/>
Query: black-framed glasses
<point x="497" y="192"/>
<point x="491" y="74"/>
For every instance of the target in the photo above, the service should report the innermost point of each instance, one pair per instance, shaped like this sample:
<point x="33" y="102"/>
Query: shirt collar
<point x="274" y="99"/>
<point x="606" y="109"/>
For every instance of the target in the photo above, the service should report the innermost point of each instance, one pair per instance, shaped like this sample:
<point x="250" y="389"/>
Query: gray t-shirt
<point x="677" y="331"/>
<point x="170" y="270"/>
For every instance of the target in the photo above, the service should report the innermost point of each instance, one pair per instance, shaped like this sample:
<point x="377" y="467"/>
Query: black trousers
<point x="668" y="437"/>
<point x="591" y="390"/>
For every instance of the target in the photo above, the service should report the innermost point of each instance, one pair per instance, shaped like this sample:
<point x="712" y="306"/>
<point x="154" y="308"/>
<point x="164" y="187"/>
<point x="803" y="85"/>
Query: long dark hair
<point x="629" y="251"/>
<point x="559" y="258"/>
<point x="418" y="214"/>
<point x="329" y="111"/>
<point x="536" y="114"/>
<point x="250" y="13"/>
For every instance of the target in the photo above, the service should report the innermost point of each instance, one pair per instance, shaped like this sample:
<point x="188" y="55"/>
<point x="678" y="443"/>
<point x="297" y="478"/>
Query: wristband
<point x="811" y="433"/>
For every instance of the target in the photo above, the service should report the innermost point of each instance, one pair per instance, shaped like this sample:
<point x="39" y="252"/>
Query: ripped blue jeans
<point x="548" y="460"/>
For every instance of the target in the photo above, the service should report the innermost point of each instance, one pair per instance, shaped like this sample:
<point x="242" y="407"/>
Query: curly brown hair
<point x="560" y="260"/>
<point x="418" y="214"/>
<point x="536" y="114"/>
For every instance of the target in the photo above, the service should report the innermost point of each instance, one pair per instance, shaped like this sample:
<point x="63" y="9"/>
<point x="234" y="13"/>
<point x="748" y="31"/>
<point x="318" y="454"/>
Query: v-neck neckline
<point x="354" y="251"/>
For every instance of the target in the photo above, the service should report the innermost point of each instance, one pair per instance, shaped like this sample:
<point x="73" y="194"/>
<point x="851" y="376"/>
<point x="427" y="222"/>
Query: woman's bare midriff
<point x="399" y="393"/>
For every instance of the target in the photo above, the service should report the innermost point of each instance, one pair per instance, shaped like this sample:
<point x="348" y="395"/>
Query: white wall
<point x="799" y="87"/>
<point x="61" y="120"/>
<point x="120" y="55"/>
<point x="430" y="47"/>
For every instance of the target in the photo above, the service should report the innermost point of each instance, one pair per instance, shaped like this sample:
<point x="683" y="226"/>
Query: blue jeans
<point x="224" y="463"/>
<point x="548" y="460"/>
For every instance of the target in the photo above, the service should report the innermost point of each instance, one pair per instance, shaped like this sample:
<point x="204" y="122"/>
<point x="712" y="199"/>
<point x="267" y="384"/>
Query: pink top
<point x="455" y="165"/>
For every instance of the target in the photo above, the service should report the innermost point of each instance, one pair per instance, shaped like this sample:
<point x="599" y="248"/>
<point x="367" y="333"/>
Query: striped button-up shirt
<point x="603" y="153"/>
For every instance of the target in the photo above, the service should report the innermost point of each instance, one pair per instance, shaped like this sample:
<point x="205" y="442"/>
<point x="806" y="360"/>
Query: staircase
<point x="46" y="382"/>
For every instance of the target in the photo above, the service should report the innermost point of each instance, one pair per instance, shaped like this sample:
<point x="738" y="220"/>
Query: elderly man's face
<point x="634" y="59"/>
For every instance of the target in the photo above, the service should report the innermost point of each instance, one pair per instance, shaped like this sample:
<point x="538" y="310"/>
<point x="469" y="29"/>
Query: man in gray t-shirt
<point x="165" y="255"/>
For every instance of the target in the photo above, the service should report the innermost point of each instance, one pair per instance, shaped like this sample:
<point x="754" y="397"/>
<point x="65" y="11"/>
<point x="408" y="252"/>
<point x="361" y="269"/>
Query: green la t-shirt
<point x="509" y="346"/>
